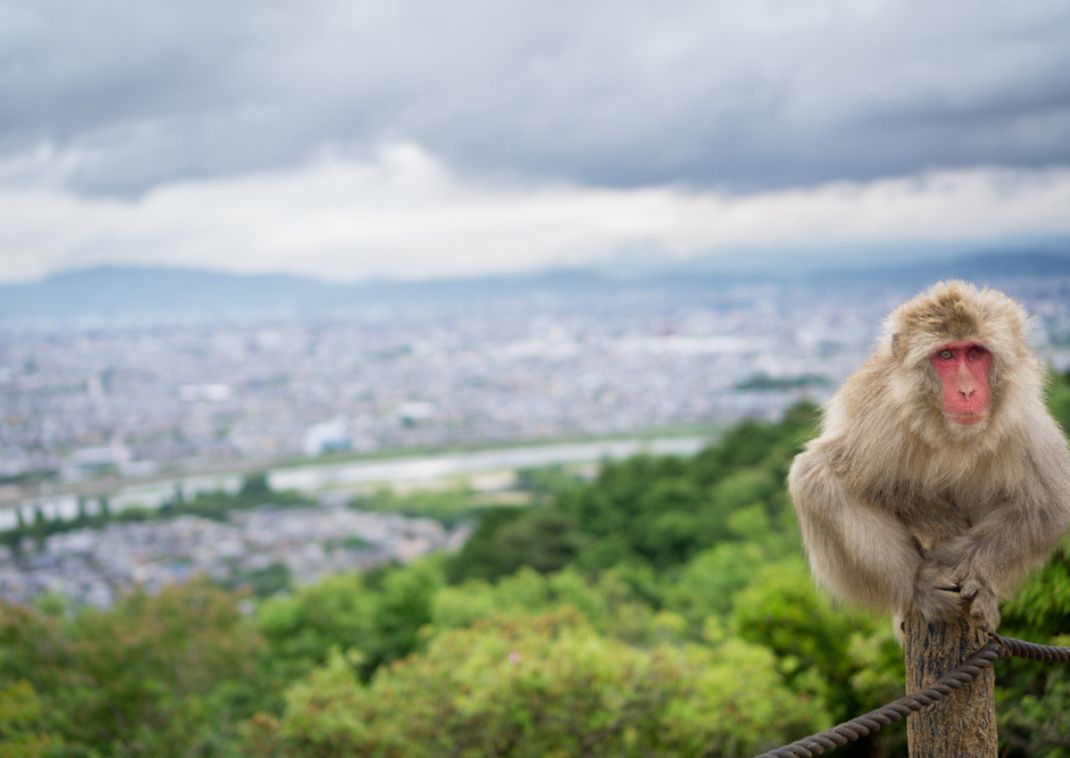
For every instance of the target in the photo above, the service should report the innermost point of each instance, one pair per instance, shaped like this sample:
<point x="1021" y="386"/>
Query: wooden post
<point x="965" y="723"/>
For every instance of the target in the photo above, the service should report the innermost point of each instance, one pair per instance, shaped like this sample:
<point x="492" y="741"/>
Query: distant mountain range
<point x="126" y="292"/>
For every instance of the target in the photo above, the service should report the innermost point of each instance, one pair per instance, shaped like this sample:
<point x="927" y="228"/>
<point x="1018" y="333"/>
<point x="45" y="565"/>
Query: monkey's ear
<point x="897" y="345"/>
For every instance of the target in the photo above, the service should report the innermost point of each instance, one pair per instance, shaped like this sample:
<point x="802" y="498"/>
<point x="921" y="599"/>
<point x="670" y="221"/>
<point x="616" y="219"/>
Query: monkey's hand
<point x="981" y="602"/>
<point x="937" y="594"/>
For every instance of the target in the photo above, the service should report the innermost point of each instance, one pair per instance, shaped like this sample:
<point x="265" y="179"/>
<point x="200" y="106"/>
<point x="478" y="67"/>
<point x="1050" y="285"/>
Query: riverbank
<point x="317" y="477"/>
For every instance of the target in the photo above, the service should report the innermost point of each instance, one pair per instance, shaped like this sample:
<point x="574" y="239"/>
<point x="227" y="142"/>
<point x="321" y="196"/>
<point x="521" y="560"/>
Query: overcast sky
<point x="421" y="138"/>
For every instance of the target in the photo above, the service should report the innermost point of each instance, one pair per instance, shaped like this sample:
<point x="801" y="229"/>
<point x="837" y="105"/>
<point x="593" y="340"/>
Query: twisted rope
<point x="1032" y="650"/>
<point x="868" y="723"/>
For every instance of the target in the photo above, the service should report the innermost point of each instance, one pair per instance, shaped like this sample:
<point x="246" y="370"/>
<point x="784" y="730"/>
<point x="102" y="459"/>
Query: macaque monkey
<point x="939" y="480"/>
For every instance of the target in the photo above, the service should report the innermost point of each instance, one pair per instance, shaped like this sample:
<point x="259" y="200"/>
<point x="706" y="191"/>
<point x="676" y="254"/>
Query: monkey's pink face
<point x="963" y="368"/>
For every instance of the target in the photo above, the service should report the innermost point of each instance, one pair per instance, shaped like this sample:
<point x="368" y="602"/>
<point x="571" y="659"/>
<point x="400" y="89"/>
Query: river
<point x="318" y="477"/>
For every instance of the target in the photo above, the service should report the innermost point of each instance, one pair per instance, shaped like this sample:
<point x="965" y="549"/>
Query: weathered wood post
<point x="965" y="723"/>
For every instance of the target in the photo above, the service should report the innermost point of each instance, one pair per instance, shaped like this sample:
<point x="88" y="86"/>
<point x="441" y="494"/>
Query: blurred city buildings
<point x="92" y="566"/>
<point x="79" y="402"/>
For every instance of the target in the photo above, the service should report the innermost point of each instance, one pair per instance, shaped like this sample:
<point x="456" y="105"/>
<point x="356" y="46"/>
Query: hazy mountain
<point x="976" y="267"/>
<point x="123" y="291"/>
<point x="128" y="291"/>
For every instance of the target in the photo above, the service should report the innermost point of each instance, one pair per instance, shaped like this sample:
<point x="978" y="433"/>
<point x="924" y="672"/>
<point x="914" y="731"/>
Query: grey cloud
<point x="741" y="96"/>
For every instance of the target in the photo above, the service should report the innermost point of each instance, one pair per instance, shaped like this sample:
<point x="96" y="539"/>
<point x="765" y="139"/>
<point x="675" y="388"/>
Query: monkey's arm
<point x="1017" y="534"/>
<point x="863" y="554"/>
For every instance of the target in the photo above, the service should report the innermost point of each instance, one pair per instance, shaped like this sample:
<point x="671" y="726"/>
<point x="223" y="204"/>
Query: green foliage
<point x="22" y="726"/>
<point x="781" y="611"/>
<point x="547" y="685"/>
<point x="1059" y="399"/>
<point x="763" y="382"/>
<point x="343" y="613"/>
<point x="1034" y="712"/>
<point x="708" y="584"/>
<point x="302" y="629"/>
<point x="661" y="609"/>
<point x="1042" y="605"/>
<point x="611" y="603"/>
<point x="167" y="675"/>
<point x="272" y="579"/>
<point x="662" y="511"/>
<point x="1034" y="698"/>
<point x="508" y="539"/>
<point x="449" y="506"/>
<point x="547" y="481"/>
<point x="216" y="505"/>
<point x="253" y="485"/>
<point x="480" y="557"/>
<point x="349" y="542"/>
<point x="133" y="514"/>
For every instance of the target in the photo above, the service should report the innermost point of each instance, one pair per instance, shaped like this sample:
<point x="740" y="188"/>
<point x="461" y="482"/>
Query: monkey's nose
<point x="966" y="391"/>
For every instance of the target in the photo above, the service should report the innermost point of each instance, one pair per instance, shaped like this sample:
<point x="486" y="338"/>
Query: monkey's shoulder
<point x="863" y="391"/>
<point x="844" y="457"/>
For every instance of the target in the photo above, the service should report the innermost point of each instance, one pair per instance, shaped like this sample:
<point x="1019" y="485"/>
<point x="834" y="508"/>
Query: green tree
<point x="1033" y="699"/>
<point x="343" y="613"/>
<point x="708" y="584"/>
<point x="252" y="485"/>
<point x="547" y="685"/>
<point x="23" y="730"/>
<point x="1059" y="399"/>
<point x="167" y="675"/>
<point x="508" y="539"/>
<point x="820" y="649"/>
<point x="301" y="629"/>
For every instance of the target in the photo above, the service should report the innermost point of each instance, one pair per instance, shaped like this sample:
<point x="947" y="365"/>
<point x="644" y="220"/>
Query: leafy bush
<point x="165" y="675"/>
<point x="548" y="685"/>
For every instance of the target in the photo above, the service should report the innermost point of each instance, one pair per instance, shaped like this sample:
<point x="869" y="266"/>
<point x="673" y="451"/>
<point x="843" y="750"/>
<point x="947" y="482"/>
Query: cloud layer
<point x="403" y="213"/>
<point x="420" y="138"/>
<point x="737" y="96"/>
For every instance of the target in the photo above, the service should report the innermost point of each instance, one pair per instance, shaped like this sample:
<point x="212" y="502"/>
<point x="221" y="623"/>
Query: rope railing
<point x="862" y="726"/>
<point x="1033" y="650"/>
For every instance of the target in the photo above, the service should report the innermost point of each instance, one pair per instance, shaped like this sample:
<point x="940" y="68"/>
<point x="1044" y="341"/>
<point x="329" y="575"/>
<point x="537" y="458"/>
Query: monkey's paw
<point x="982" y="604"/>
<point x="937" y="595"/>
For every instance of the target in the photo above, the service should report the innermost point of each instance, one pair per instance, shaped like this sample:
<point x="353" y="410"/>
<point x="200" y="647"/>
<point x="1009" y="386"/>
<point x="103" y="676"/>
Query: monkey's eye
<point x="975" y="353"/>
<point x="945" y="355"/>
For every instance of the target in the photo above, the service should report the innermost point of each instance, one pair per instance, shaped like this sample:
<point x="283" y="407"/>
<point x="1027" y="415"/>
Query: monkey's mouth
<point x="965" y="419"/>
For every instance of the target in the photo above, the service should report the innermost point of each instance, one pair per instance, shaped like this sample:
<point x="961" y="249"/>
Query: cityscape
<point x="134" y="400"/>
<point x="268" y="548"/>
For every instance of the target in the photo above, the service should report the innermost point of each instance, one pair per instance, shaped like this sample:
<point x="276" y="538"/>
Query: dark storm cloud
<point x="119" y="97"/>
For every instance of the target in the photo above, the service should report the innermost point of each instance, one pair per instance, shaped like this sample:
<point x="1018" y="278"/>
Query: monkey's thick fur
<point x="900" y="508"/>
